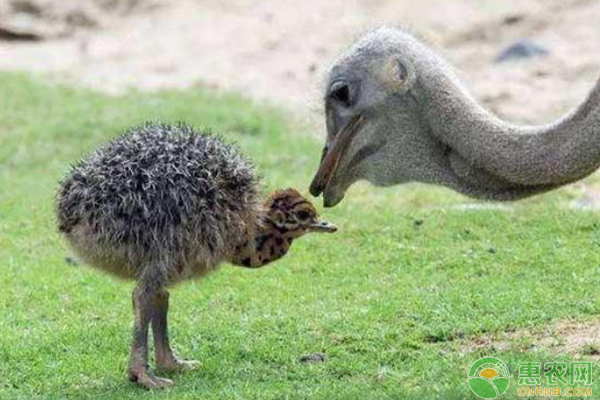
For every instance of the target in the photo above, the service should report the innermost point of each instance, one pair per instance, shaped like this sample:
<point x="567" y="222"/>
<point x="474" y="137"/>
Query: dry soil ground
<point x="280" y="50"/>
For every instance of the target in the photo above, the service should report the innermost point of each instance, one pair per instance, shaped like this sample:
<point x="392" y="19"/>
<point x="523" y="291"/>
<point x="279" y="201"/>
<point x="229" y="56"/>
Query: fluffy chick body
<point x="160" y="204"/>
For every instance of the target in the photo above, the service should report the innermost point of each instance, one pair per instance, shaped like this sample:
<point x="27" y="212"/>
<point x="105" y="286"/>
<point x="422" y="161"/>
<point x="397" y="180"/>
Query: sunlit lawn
<point x="386" y="298"/>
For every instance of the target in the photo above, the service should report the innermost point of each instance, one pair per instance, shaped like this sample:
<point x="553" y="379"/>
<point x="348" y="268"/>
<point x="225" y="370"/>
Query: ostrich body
<point x="397" y="113"/>
<point x="163" y="204"/>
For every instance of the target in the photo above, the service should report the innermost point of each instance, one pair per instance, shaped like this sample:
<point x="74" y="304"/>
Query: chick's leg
<point x="144" y="306"/>
<point x="165" y="359"/>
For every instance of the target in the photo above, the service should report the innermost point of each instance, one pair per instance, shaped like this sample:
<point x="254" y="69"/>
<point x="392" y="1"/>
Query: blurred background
<point x="529" y="61"/>
<point x="279" y="50"/>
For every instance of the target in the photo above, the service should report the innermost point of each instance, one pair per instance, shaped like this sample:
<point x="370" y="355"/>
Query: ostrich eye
<point x="340" y="92"/>
<point x="303" y="215"/>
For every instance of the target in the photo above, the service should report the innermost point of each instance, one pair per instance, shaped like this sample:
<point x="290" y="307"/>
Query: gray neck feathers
<point x="523" y="156"/>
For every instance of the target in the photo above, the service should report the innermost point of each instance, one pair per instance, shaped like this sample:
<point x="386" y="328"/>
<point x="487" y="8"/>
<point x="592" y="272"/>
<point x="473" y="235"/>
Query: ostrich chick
<point x="163" y="204"/>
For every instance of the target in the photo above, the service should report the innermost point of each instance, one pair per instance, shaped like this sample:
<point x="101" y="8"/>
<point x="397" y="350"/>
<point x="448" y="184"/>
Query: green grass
<point x="387" y="299"/>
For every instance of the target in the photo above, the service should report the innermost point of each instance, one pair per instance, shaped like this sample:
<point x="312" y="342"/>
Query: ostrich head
<point x="396" y="112"/>
<point x="370" y="97"/>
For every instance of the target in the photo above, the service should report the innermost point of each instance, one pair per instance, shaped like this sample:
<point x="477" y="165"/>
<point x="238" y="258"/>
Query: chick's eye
<point x="303" y="215"/>
<point x="340" y="92"/>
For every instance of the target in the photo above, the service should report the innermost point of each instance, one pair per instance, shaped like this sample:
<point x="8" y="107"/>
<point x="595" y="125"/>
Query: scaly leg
<point x="165" y="359"/>
<point x="144" y="306"/>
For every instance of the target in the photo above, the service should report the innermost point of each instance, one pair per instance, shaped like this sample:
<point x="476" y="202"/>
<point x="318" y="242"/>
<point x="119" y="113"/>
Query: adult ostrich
<point x="397" y="113"/>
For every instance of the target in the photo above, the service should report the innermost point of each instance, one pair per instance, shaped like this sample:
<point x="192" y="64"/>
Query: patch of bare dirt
<point x="280" y="50"/>
<point x="579" y="339"/>
<point x="36" y="20"/>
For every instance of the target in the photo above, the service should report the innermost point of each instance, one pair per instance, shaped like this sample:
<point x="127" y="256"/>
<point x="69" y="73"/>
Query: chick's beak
<point x="321" y="226"/>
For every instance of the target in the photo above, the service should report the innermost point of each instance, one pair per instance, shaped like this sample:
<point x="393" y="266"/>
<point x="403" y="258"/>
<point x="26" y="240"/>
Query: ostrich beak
<point x="330" y="159"/>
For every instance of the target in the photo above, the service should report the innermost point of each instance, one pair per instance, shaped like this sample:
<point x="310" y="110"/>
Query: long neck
<point x="270" y="244"/>
<point x="540" y="157"/>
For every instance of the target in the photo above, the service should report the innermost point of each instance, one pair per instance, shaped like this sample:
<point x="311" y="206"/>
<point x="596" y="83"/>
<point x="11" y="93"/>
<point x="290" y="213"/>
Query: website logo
<point x="488" y="378"/>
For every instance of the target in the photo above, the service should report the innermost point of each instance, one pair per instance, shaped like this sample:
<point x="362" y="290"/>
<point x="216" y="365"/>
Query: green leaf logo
<point x="488" y="378"/>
